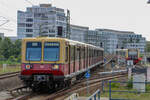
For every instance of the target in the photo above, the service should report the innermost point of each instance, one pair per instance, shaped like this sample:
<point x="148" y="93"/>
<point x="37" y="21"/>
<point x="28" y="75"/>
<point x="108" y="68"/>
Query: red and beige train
<point x="129" y="54"/>
<point x="55" y="62"/>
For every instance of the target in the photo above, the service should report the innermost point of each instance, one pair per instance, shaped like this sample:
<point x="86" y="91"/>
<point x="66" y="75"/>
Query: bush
<point x="18" y="59"/>
<point x="148" y="87"/>
<point x="130" y="84"/>
<point x="12" y="59"/>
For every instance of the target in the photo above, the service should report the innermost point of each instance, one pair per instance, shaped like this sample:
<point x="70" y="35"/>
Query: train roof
<point x="71" y="42"/>
<point x="121" y="49"/>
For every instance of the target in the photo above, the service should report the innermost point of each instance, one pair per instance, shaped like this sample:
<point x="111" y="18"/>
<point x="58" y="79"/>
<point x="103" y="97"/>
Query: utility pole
<point x="68" y="25"/>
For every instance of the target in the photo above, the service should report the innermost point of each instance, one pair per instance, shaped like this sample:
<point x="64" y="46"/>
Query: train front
<point x="133" y="54"/>
<point x="41" y="62"/>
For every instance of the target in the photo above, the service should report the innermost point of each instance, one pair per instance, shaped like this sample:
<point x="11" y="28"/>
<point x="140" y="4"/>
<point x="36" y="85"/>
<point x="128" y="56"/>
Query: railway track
<point x="8" y="75"/>
<point x="73" y="88"/>
<point x="79" y="87"/>
<point x="95" y="77"/>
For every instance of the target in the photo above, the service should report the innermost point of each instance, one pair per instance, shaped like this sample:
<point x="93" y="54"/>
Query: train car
<point x="56" y="62"/>
<point x="134" y="54"/>
<point x="129" y="54"/>
<point x="122" y="54"/>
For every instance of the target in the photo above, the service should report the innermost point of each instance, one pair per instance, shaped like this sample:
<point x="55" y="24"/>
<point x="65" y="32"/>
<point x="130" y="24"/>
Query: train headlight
<point x="55" y="67"/>
<point x="28" y="66"/>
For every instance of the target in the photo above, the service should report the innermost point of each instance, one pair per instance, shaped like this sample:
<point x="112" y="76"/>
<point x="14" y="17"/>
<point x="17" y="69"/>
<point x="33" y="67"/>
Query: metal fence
<point x="122" y="92"/>
<point x="6" y="68"/>
<point x="95" y="96"/>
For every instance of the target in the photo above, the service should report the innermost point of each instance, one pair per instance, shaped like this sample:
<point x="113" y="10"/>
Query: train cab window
<point x="33" y="51"/>
<point x="66" y="54"/>
<point x="51" y="51"/>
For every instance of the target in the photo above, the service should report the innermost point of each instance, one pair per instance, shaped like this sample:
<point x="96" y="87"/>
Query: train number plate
<point x="39" y="77"/>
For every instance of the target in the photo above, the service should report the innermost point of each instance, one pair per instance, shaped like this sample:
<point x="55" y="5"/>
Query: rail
<point x="8" y="75"/>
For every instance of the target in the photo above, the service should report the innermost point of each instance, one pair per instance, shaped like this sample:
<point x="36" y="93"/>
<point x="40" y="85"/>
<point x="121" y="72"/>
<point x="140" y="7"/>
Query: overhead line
<point x="29" y="2"/>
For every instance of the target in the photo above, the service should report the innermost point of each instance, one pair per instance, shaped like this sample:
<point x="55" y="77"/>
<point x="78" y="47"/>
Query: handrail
<point x="94" y="95"/>
<point x="74" y="96"/>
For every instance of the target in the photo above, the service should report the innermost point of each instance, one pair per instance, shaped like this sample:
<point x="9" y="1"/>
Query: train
<point x="129" y="54"/>
<point x="56" y="62"/>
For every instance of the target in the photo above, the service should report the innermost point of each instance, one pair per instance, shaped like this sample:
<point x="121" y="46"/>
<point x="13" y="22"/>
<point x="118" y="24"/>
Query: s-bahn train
<point x="129" y="54"/>
<point x="55" y="62"/>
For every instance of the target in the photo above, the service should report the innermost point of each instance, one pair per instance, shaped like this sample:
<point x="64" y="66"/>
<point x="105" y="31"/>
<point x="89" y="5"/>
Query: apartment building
<point x="41" y="20"/>
<point x="114" y="39"/>
<point x="93" y="37"/>
<point x="78" y="33"/>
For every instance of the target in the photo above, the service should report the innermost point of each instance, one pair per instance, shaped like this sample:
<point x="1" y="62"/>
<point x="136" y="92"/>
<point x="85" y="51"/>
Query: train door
<point x="69" y="58"/>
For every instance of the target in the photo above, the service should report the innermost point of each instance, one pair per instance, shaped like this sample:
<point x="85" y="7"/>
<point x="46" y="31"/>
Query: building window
<point x="29" y="30"/>
<point x="29" y="20"/>
<point x="21" y="24"/>
<point x="29" y="35"/>
<point x="28" y="25"/>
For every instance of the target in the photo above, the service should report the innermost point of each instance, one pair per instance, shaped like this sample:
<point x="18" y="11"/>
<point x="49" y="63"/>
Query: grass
<point x="9" y="68"/>
<point x="126" y="95"/>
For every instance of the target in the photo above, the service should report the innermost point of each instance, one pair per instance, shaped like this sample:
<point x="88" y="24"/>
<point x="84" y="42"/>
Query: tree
<point x="17" y="48"/>
<point x="147" y="48"/>
<point x="6" y="48"/>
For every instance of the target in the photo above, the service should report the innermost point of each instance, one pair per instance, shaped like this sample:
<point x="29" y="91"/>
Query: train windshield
<point x="33" y="51"/>
<point x="132" y="52"/>
<point x="51" y="51"/>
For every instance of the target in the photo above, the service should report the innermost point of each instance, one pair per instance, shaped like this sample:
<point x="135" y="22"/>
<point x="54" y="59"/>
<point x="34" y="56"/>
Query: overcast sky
<point x="124" y="15"/>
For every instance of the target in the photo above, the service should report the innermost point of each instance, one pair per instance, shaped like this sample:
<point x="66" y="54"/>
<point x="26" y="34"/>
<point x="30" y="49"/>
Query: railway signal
<point x="87" y="76"/>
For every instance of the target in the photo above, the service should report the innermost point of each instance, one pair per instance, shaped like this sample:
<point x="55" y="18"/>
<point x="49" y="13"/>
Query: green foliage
<point x="12" y="59"/>
<point x="148" y="87"/>
<point x="115" y="85"/>
<point x="129" y="84"/>
<point x="10" y="51"/>
<point x="147" y="48"/>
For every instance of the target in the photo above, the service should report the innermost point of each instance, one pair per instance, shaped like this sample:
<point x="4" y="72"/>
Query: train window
<point x="89" y="52"/>
<point x="72" y="53"/>
<point x="33" y="51"/>
<point x="83" y="53"/>
<point x="78" y="51"/>
<point x="51" y="51"/>
<point x="66" y="54"/>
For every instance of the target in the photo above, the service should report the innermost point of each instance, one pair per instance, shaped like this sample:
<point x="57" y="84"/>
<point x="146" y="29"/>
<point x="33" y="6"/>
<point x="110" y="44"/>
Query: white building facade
<point x="42" y="20"/>
<point x="78" y="33"/>
<point x="93" y="37"/>
<point x="113" y="39"/>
